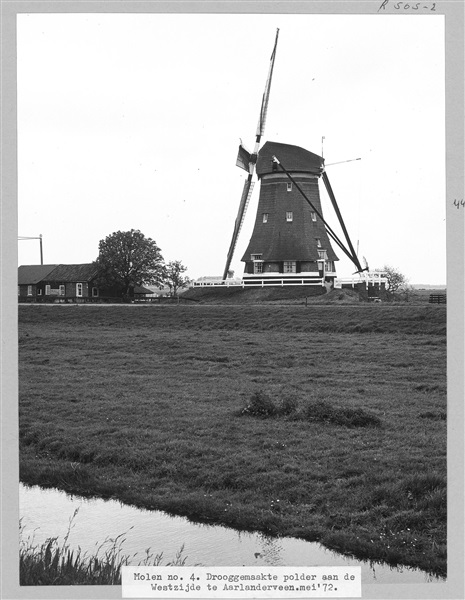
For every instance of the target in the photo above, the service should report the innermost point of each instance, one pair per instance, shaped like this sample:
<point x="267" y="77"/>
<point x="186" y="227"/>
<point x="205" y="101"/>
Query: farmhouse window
<point x="29" y="290"/>
<point x="290" y="266"/>
<point x="289" y="216"/>
<point x="94" y="291"/>
<point x="79" y="289"/>
<point x="289" y="187"/>
<point x="313" y="216"/>
<point x="62" y="290"/>
<point x="265" y="217"/>
<point x="39" y="292"/>
<point x="19" y="291"/>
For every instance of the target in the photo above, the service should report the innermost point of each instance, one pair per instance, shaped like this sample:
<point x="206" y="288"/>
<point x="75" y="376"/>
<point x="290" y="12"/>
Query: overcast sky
<point x="133" y="121"/>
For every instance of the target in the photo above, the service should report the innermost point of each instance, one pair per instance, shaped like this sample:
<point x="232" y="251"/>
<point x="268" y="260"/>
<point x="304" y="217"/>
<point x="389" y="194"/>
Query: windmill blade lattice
<point x="245" y="198"/>
<point x="247" y="161"/>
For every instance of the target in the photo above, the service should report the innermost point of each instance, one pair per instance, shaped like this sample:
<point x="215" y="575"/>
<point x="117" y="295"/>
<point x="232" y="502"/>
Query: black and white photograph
<point x="233" y="296"/>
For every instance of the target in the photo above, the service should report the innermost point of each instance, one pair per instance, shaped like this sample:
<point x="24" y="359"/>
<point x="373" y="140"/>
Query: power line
<point x="342" y="161"/>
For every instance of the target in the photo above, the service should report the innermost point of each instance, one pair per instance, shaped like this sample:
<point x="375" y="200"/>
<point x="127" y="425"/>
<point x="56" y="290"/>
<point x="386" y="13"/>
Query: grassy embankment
<point x="146" y="404"/>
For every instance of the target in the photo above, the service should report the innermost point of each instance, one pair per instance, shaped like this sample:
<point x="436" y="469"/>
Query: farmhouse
<point x="66" y="283"/>
<point x="30" y="278"/>
<point x="57" y="282"/>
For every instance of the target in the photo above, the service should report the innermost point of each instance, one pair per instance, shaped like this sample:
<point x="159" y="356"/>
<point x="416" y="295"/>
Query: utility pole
<point x="23" y="237"/>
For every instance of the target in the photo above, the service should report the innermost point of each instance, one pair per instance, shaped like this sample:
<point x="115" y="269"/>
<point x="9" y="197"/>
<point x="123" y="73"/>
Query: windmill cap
<point x="293" y="159"/>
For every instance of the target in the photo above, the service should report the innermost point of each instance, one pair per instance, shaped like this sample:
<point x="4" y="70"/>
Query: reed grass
<point x="55" y="563"/>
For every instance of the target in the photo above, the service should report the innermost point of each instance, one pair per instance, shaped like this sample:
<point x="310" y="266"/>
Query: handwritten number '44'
<point x="459" y="203"/>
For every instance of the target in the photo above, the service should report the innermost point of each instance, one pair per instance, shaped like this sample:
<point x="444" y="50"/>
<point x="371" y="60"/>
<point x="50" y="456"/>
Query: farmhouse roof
<point x="31" y="274"/>
<point x="140" y="289"/>
<point x="72" y="273"/>
<point x="293" y="159"/>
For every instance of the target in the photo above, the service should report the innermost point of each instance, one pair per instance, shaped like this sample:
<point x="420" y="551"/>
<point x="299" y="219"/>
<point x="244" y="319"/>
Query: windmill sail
<point x="266" y="94"/>
<point x="245" y="198"/>
<point x="353" y="254"/>
<point x="247" y="161"/>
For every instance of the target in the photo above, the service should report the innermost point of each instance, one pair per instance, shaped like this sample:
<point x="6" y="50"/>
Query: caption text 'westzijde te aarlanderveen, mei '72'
<point x="241" y="582"/>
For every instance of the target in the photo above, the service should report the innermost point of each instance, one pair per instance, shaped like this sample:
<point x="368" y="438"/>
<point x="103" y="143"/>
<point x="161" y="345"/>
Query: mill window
<point x="265" y="217"/>
<point x="289" y="216"/>
<point x="256" y="256"/>
<point x="318" y="242"/>
<point x="289" y="266"/>
<point x="313" y="215"/>
<point x="322" y="254"/>
<point x="329" y="266"/>
<point x="289" y="187"/>
<point x="258" y="267"/>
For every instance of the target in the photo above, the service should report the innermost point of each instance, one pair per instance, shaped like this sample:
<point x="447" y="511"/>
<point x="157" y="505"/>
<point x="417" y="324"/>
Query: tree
<point x="127" y="259"/>
<point x="396" y="281"/>
<point x="174" y="278"/>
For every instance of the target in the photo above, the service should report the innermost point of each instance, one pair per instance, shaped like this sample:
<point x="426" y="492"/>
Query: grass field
<point x="165" y="407"/>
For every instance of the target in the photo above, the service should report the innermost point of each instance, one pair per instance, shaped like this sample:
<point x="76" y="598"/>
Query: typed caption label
<point x="241" y="582"/>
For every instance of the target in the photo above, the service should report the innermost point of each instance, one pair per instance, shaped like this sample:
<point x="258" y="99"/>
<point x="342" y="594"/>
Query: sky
<point x="133" y="121"/>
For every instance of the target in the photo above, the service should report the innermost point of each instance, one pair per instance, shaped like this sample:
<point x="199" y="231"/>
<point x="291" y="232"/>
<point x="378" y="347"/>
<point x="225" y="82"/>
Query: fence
<point x="437" y="299"/>
<point x="259" y="282"/>
<point x="68" y="299"/>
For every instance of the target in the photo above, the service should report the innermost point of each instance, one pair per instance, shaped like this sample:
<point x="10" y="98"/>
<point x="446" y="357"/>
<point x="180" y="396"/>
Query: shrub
<point x="260" y="405"/>
<point x="324" y="412"/>
<point x="288" y="405"/>
<point x="318" y="411"/>
<point x="440" y="416"/>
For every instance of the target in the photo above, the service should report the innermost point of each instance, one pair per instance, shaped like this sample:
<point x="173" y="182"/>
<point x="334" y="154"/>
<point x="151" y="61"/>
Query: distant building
<point x="209" y="280"/>
<point x="66" y="283"/>
<point x="30" y="279"/>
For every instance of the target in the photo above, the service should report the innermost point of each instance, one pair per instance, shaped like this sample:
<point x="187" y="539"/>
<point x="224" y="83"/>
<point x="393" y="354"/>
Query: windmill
<point x="291" y="240"/>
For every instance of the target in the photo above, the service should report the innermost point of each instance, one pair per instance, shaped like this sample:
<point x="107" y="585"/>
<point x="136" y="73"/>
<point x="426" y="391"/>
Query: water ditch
<point x="46" y="513"/>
